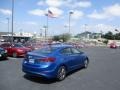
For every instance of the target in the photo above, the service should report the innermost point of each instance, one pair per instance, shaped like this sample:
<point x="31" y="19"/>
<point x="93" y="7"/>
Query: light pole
<point x="12" y="20"/>
<point x="8" y="24"/>
<point x="8" y="28"/>
<point x="86" y="31"/>
<point x="70" y="13"/>
<point x="86" y="27"/>
<point x="45" y="27"/>
<point x="117" y="30"/>
<point x="40" y="32"/>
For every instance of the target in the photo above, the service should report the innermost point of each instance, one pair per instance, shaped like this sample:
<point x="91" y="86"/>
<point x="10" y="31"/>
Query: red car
<point x="15" y="50"/>
<point x="29" y="45"/>
<point x="113" y="45"/>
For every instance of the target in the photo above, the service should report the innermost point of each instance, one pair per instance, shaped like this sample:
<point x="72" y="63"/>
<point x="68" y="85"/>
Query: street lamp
<point x="117" y="30"/>
<point x="41" y="32"/>
<point x="12" y="20"/>
<point x="8" y="24"/>
<point x="45" y="27"/>
<point x="8" y="27"/>
<point x="87" y="36"/>
<point x="70" y="13"/>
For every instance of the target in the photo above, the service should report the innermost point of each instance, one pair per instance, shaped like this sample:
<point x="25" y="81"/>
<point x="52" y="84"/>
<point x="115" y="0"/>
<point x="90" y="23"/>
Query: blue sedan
<point x="54" y="61"/>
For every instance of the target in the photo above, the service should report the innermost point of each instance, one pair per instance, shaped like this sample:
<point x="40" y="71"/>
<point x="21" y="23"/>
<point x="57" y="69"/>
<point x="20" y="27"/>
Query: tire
<point x="86" y="62"/>
<point x="14" y="55"/>
<point x="61" y="75"/>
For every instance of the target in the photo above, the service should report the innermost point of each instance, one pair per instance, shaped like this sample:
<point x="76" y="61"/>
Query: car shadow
<point x="40" y="80"/>
<point x="74" y="71"/>
<point x="43" y="80"/>
<point x="2" y="59"/>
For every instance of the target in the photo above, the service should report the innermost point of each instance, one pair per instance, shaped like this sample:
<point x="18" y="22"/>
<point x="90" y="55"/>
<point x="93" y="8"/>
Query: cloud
<point x="104" y="28"/>
<point x="107" y="12"/>
<point x="30" y="23"/>
<point x="113" y="10"/>
<point x="56" y="11"/>
<point x="77" y="4"/>
<point x="98" y="28"/>
<point x="97" y="15"/>
<point x="40" y="3"/>
<point x="66" y="25"/>
<point x="77" y="14"/>
<point x="84" y="4"/>
<point x="37" y="12"/>
<point x="5" y="11"/>
<point x="54" y="3"/>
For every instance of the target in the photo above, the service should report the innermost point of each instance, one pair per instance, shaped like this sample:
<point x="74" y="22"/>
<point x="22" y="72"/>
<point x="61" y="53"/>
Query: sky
<point x="88" y="15"/>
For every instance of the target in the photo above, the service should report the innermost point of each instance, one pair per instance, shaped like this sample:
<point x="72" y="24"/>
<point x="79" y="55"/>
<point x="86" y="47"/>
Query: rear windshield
<point x="47" y="50"/>
<point x="18" y="45"/>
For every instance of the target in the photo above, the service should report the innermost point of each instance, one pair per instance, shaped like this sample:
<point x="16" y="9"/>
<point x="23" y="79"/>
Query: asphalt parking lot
<point x="103" y="73"/>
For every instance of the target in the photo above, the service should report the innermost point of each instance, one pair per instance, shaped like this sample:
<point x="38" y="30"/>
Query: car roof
<point x="61" y="46"/>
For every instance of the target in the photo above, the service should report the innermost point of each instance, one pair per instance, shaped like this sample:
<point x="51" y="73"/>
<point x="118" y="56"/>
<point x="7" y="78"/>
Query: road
<point x="103" y="73"/>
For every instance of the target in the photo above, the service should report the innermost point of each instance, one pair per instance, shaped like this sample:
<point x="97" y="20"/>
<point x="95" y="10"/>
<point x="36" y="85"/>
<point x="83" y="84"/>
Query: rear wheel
<point x="14" y="54"/>
<point x="61" y="73"/>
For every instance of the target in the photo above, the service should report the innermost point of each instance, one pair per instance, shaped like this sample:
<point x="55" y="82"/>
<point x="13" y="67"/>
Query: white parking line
<point x="11" y="58"/>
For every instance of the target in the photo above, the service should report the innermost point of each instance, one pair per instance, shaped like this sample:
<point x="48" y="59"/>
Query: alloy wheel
<point x="61" y="73"/>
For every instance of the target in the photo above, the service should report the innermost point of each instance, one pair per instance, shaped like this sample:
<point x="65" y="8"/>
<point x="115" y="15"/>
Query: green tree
<point x="105" y="41"/>
<point x="64" y="37"/>
<point x="56" y="38"/>
<point x="108" y="35"/>
<point x="117" y="36"/>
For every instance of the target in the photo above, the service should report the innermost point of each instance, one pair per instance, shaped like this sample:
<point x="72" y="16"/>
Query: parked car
<point x="113" y="45"/>
<point x="3" y="53"/>
<point x="54" y="61"/>
<point x="29" y="45"/>
<point x="15" y="50"/>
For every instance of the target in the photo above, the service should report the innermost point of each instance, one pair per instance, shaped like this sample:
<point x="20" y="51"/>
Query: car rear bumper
<point x="37" y="71"/>
<point x="21" y="54"/>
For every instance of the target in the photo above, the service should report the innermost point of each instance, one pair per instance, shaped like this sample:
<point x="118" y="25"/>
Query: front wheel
<point x="14" y="54"/>
<point x="86" y="62"/>
<point x="61" y="73"/>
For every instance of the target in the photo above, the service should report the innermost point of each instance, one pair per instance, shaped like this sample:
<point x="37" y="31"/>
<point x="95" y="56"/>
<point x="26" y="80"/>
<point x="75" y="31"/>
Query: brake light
<point x="48" y="59"/>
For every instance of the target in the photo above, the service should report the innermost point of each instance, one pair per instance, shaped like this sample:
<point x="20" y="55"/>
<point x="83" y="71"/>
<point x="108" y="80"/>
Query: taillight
<point x="48" y="59"/>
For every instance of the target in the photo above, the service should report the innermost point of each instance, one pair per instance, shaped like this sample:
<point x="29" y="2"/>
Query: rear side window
<point x="75" y="51"/>
<point x="66" y="51"/>
<point x="18" y="45"/>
